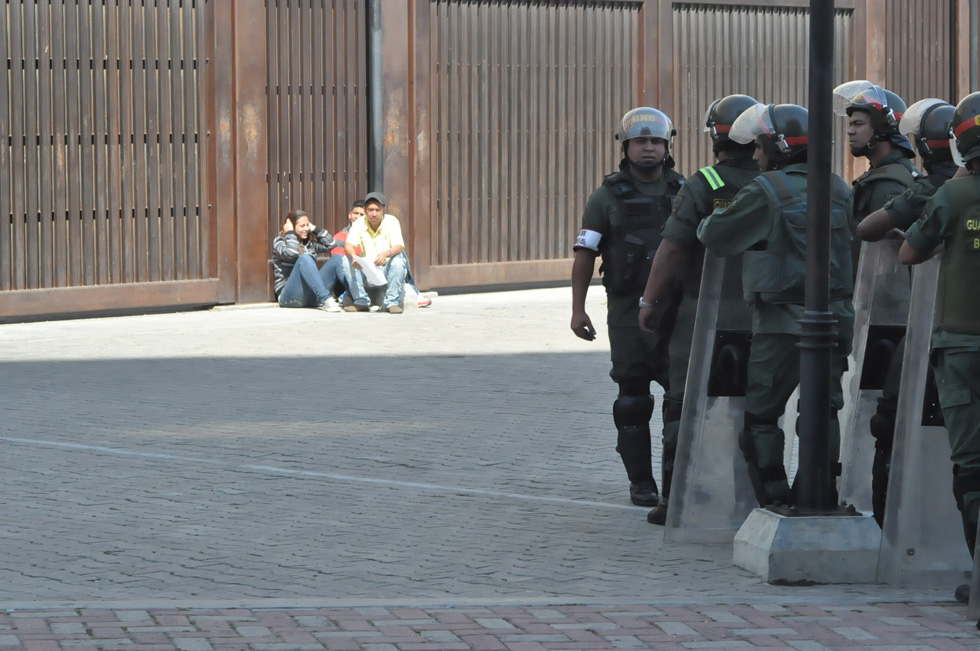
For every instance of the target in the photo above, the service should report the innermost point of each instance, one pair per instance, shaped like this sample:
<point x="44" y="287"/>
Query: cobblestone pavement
<point x="265" y="478"/>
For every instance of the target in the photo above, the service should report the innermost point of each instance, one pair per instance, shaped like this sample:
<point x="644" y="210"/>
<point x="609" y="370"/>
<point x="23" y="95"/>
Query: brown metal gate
<point x="723" y="49"/>
<point x="317" y="109"/>
<point x="521" y="104"/>
<point x="104" y="175"/>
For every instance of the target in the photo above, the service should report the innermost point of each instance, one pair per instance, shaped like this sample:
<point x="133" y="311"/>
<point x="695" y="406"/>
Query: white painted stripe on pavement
<point x="120" y="451"/>
<point x="322" y="475"/>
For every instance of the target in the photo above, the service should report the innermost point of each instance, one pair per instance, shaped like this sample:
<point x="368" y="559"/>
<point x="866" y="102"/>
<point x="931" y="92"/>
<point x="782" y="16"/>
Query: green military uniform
<point x="634" y="356"/>
<point x="952" y="217"/>
<point x="905" y="208"/>
<point x="889" y="178"/>
<point x="712" y="187"/>
<point x="774" y="359"/>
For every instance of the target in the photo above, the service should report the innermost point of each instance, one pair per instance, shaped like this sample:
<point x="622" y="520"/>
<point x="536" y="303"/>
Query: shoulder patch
<point x="710" y="174"/>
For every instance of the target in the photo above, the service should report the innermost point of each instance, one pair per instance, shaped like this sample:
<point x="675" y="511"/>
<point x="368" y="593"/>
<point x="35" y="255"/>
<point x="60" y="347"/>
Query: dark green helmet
<point x="885" y="108"/>
<point x="965" y="128"/>
<point x="782" y="129"/>
<point x="926" y="123"/>
<point x="720" y="117"/>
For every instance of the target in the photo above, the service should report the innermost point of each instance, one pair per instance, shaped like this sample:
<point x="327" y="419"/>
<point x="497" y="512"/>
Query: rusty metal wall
<point x="524" y="102"/>
<point x="919" y="50"/>
<point x="103" y="171"/>
<point x="761" y="51"/>
<point x="317" y="109"/>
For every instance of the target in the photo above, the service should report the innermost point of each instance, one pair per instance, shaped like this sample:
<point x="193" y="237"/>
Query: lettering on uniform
<point x="588" y="240"/>
<point x="722" y="204"/>
<point x="972" y="239"/>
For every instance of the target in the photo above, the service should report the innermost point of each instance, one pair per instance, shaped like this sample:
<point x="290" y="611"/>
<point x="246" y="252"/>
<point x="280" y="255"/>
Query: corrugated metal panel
<point x="919" y="49"/>
<point x="317" y="110"/>
<point x="759" y="51"/>
<point x="102" y="177"/>
<point x="525" y="98"/>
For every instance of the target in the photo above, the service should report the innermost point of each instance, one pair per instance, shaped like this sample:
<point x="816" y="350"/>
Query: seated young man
<point x="379" y="236"/>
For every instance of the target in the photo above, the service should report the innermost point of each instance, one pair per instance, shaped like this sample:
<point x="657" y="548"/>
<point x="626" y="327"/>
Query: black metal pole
<point x="813" y="480"/>
<point x="375" y="119"/>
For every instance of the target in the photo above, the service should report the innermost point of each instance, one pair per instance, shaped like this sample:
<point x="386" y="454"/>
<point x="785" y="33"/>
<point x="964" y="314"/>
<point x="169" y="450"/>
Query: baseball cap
<point x="376" y="197"/>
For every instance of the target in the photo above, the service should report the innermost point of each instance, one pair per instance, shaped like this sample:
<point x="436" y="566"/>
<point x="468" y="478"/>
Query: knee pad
<point x="745" y="442"/>
<point x="634" y="387"/>
<point x="632" y="411"/>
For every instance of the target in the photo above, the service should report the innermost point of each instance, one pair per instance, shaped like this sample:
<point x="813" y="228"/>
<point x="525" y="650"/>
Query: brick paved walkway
<point x="285" y="479"/>
<point x="813" y="627"/>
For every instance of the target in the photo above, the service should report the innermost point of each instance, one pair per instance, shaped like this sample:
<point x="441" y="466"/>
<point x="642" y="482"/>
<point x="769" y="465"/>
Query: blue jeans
<point x="334" y="276"/>
<point x="305" y="286"/>
<point x="394" y="274"/>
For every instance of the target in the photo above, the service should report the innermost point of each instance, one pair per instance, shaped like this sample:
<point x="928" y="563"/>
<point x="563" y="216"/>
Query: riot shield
<point x="973" y="609"/>
<point x="922" y="539"/>
<point x="711" y="494"/>
<point x="881" y="301"/>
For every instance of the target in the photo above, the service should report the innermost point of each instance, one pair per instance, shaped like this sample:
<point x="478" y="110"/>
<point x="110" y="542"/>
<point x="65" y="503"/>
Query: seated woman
<point x="298" y="281"/>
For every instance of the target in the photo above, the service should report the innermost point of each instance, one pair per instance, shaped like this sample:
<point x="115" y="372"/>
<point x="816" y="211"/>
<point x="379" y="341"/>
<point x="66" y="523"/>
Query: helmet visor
<point x="912" y="119"/>
<point x="752" y="123"/>
<point x="646" y="123"/>
<point x="858" y="94"/>
<point x="955" y="151"/>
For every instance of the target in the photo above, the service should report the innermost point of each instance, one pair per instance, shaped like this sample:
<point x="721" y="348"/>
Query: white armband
<point x="587" y="240"/>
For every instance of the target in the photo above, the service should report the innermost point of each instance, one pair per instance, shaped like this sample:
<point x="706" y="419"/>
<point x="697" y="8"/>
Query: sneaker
<point x="424" y="301"/>
<point x="360" y="308"/>
<point x="374" y="308"/>
<point x="330" y="305"/>
<point x="644" y="494"/>
<point x="394" y="309"/>
<point x="659" y="514"/>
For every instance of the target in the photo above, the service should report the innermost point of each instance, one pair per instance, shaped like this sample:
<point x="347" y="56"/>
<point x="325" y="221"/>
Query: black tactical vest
<point x="957" y="303"/>
<point x="634" y="232"/>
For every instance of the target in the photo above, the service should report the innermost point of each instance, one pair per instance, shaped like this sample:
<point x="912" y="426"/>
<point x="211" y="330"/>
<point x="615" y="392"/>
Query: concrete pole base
<point x="818" y="549"/>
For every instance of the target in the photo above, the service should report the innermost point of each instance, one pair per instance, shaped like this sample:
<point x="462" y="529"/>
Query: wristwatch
<point x="644" y="304"/>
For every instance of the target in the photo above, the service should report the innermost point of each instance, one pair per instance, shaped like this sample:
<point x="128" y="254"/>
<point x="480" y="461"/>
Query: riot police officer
<point x="622" y="222"/>
<point x="681" y="252"/>
<point x="952" y="217"/>
<point x="873" y="132"/>
<point x="927" y="124"/>
<point x="766" y="222"/>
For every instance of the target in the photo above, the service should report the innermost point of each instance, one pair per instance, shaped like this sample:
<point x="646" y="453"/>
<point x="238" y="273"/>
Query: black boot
<point x="633" y="446"/>
<point x="659" y="514"/>
<point x="962" y="593"/>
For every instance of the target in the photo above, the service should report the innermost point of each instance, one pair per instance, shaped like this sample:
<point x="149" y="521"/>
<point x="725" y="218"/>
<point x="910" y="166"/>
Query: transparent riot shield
<point x="711" y="494"/>
<point x="881" y="301"/>
<point x="922" y="539"/>
<point x="973" y="609"/>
